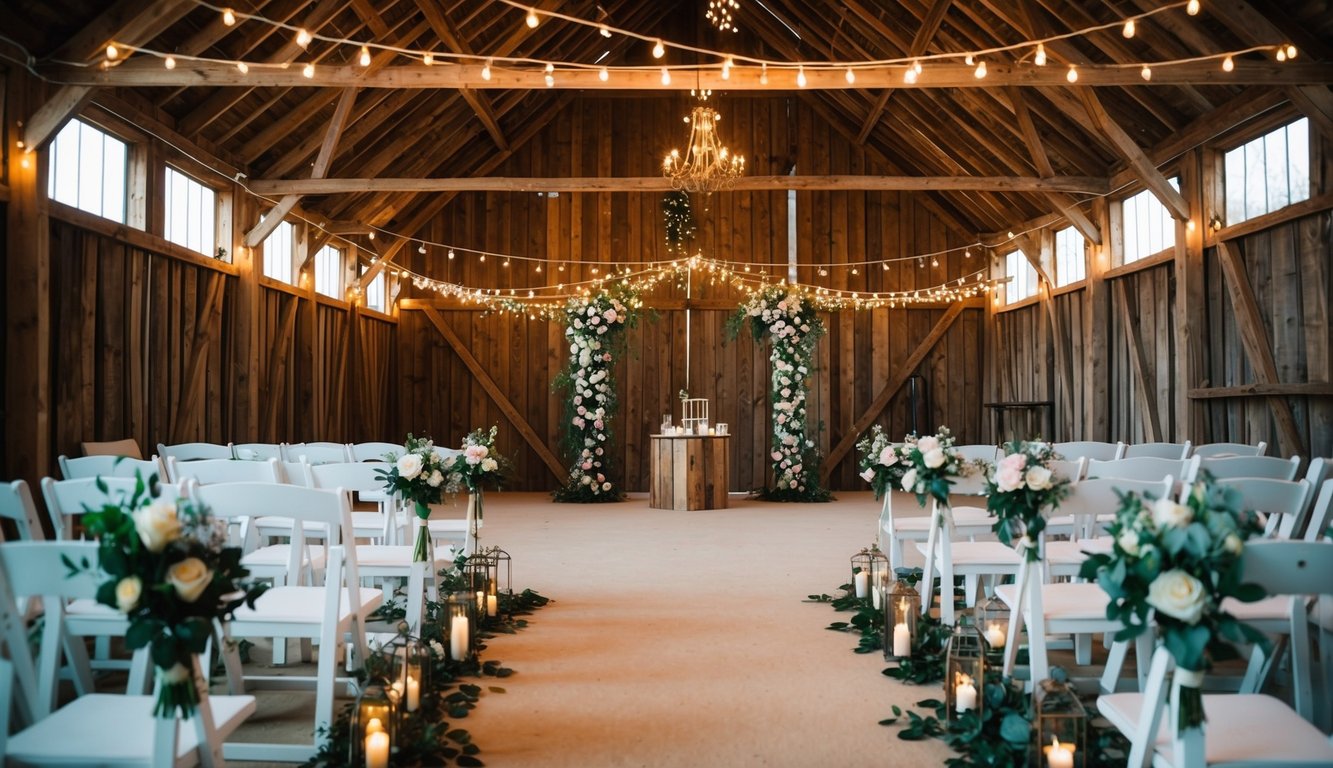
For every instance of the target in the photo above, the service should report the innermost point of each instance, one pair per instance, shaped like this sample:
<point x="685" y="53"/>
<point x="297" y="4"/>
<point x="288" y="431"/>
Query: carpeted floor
<point x="676" y="639"/>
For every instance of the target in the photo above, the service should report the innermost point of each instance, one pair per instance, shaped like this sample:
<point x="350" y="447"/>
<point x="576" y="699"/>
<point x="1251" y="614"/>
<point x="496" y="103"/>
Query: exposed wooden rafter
<point x="480" y="103"/>
<point x="1134" y="155"/>
<point x="929" y="25"/>
<point x="1063" y="203"/>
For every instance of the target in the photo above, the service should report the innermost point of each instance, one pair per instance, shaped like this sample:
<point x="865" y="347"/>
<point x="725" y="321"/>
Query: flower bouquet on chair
<point x="1178" y="562"/>
<point x="417" y="476"/>
<point x="882" y="462"/>
<point x="170" y="572"/>
<point x="931" y="464"/>
<point x="477" y="465"/>
<point x="1019" y="489"/>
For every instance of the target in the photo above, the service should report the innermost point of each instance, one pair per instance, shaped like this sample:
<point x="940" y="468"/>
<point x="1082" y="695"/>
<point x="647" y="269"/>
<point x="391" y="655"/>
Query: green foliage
<point x="1020" y="491"/>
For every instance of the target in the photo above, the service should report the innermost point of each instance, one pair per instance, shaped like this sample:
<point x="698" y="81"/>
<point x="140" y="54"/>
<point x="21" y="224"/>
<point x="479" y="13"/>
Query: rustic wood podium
<point x="689" y="472"/>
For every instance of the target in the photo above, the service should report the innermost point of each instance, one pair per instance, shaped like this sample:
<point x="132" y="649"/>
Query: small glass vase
<point x="421" y="550"/>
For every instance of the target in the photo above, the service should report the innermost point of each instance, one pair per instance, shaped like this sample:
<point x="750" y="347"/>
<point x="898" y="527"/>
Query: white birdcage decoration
<point x="694" y="415"/>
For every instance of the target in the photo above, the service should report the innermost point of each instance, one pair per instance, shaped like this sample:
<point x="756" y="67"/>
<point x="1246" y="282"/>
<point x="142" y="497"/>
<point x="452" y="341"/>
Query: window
<point x="1147" y="225"/>
<point x="329" y="272"/>
<point x="1022" y="277"/>
<point x="1070" y="257"/>
<point x="89" y="170"/>
<point x="1268" y="173"/>
<point x="278" y="253"/>
<point x="376" y="293"/>
<point x="191" y="213"/>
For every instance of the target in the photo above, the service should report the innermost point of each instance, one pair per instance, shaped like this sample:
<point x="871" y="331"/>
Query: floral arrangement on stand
<point x="1178" y="562"/>
<point x="476" y="465"/>
<point x="418" y="476"/>
<point x="595" y="328"/>
<point x="882" y="462"/>
<point x="171" y="573"/>
<point x="931" y="464"/>
<point x="1021" y="486"/>
<point x="782" y="315"/>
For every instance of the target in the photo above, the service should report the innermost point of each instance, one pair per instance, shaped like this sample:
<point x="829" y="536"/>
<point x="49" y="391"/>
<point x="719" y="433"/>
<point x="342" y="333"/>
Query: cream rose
<point x="409" y="465"/>
<point x="1168" y="514"/>
<point x="1129" y="542"/>
<point x="909" y="480"/>
<point x="1178" y="595"/>
<point x="489" y="465"/>
<point x="157" y="525"/>
<point x="933" y="458"/>
<point x="189" y="577"/>
<point x="1038" y="478"/>
<point x="927" y="444"/>
<point x="176" y="674"/>
<point x="1233" y="544"/>
<point x="128" y="592"/>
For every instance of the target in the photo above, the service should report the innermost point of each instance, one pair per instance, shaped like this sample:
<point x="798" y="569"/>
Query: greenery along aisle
<point x="595" y="328"/>
<point x="785" y="317"/>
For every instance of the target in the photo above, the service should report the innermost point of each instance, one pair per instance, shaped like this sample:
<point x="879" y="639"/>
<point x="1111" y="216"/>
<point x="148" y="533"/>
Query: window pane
<point x="1070" y="257"/>
<point x="190" y="213"/>
<point x="278" y="253"/>
<point x="1298" y="159"/>
<point x="1275" y="170"/>
<point x="376" y="295"/>
<point x="1268" y="173"/>
<point x="1235" y="169"/>
<point x="328" y="272"/>
<point x="1147" y="227"/>
<point x="88" y="170"/>
<point x="1023" y="278"/>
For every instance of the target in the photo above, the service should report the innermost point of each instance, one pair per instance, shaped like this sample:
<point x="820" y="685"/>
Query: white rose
<point x="1129" y="542"/>
<point x="128" y="591"/>
<point x="909" y="480"/>
<point x="927" y="444"/>
<point x="489" y="465"/>
<point x="1178" y="595"/>
<point x="1168" y="514"/>
<point x="409" y="465"/>
<point x="606" y="486"/>
<point x="435" y="479"/>
<point x="868" y="475"/>
<point x="933" y="458"/>
<point x="157" y="525"/>
<point x="1039" y="478"/>
<point x="585" y="480"/>
<point x="189" y="577"/>
<point x="1233" y="544"/>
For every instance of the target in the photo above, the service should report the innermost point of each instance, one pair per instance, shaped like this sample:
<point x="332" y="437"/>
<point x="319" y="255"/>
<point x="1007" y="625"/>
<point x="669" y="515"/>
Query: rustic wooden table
<point x="689" y="472"/>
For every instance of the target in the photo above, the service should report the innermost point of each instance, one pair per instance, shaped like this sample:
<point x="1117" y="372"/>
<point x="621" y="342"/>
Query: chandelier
<point x="707" y="166"/>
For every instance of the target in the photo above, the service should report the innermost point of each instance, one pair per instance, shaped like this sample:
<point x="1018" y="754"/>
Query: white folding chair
<point x="1144" y="468"/>
<point x="194" y="451"/>
<point x="213" y="471"/>
<point x="375" y="451"/>
<point x="1091" y="505"/>
<point x="1090" y="449"/>
<point x="1157" y="450"/>
<point x="969" y="520"/>
<point x="95" y="728"/>
<point x="16" y="504"/>
<point x="1218" y="450"/>
<point x="1241" y="729"/>
<point x="1072" y="470"/>
<point x="1251" y="466"/>
<point x="109" y="466"/>
<point x="256" y="451"/>
<point x="333" y="614"/>
<point x="317" y="453"/>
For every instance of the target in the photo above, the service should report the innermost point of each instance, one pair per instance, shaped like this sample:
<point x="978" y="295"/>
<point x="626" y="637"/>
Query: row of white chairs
<point x="1105" y="451"/>
<point x="313" y="453"/>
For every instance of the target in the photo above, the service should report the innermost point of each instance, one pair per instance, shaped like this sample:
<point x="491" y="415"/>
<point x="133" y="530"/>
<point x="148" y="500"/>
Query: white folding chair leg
<point x="927" y="584"/>
<point x="80" y="667"/>
<point x="1115" y="663"/>
<point x="140" y="680"/>
<point x="946" y="579"/>
<point x="1144" y="739"/>
<point x="1083" y="649"/>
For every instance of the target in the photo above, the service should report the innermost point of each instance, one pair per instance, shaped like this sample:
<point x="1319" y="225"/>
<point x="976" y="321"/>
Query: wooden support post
<point x="895" y="383"/>
<point x="1257" y="348"/>
<point x="1191" y="326"/>
<point x="1096" y="319"/>
<point x="1144" y="385"/>
<point x="498" y="396"/>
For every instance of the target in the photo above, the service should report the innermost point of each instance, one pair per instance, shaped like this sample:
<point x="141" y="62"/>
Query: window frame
<point x="1259" y="134"/>
<point x="129" y="215"/>
<point x="1117" y="214"/>
<point x="338" y="271"/>
<point x="167" y="169"/>
<point x="1025" y="270"/>
<point x="1059" y="263"/>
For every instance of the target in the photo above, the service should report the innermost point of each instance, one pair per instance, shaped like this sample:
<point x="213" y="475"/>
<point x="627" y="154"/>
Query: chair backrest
<point x="317" y="453"/>
<point x="1321" y="515"/>
<point x="375" y="451"/>
<point x="194" y="451"/>
<point x="294" y="473"/>
<point x="1144" y="468"/>
<point x="1095" y="496"/>
<point x="16" y="504"/>
<point x="1090" y="449"/>
<point x="66" y="499"/>
<point x="256" y="451"/>
<point x="212" y="471"/>
<point x="1217" y="450"/>
<point x="350" y="476"/>
<point x="978" y="452"/>
<point x="1251" y="466"/>
<point x="129" y="448"/>
<point x="1283" y="501"/>
<point x="1072" y="471"/>
<point x="108" y="466"/>
<point x="1158" y="450"/>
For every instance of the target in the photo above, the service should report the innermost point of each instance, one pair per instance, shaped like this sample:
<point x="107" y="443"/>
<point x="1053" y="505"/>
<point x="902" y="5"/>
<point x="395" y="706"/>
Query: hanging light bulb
<point x="242" y="67"/>
<point x="726" y="68"/>
<point x="428" y="58"/>
<point x="981" y="70"/>
<point x="1291" y="51"/>
<point x="550" y="75"/>
<point x="1281" y="54"/>
<point x="1072" y="74"/>
<point x="532" y="19"/>
<point x="486" y="71"/>
<point x="800" y="77"/>
<point x="851" y="76"/>
<point x="603" y="74"/>
<point x="365" y="56"/>
<point x="1040" y="58"/>
<point x="228" y="17"/>
<point x="421" y="248"/>
<point x="666" y="76"/>
<point x="604" y="30"/>
<point x="1228" y="64"/>
<point x="482" y="258"/>
<point x="112" y="52"/>
<point x="1146" y="72"/>
<point x="170" y="62"/>
<point x="308" y="70"/>
<point x="916" y="66"/>
<point x="451" y="254"/>
<point x="659" y="50"/>
<point x="909" y="76"/>
<point x="303" y="37"/>
<point x="1192" y="7"/>
<point x="763" y="74"/>
<point x="1129" y="30"/>
<point x="967" y="253"/>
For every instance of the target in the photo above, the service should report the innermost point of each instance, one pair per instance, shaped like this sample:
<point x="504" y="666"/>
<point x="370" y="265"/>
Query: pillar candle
<point x="995" y="636"/>
<point x="377" y="749"/>
<point x="964" y="695"/>
<point x="458" y="638"/>
<point x="492" y="605"/>
<point x="862" y="582"/>
<point x="413" y="694"/>
<point x="1059" y="755"/>
<point x="902" y="640"/>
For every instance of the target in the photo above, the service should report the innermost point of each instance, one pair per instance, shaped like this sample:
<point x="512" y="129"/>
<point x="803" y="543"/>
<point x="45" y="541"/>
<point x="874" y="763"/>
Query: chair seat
<point x="1075" y="552"/>
<point x="1251" y="729"/>
<point x="992" y="553"/>
<point x="115" y="730"/>
<point x="963" y="517"/>
<point x="274" y="525"/>
<point x="380" y="556"/>
<point x="300" y="605"/>
<point x="1067" y="602"/>
<point x="1273" y="608"/>
<point x="276" y="555"/>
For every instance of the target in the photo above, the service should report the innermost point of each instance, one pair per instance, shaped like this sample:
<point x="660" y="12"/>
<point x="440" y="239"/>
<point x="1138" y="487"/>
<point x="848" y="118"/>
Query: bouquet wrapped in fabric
<point x="170" y="572"/>
<point x="1019" y="488"/>
<point x="1180" y="561"/>
<point x="881" y="461"/>
<point x="418" y="475"/>
<point x="931" y="464"/>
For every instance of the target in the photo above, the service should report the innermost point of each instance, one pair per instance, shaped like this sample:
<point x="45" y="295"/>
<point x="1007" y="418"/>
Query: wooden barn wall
<point x="1142" y="352"/>
<point x="605" y="231"/>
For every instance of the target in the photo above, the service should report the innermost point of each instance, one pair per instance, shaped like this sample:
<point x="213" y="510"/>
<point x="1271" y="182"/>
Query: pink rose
<point x="927" y="444"/>
<point x="888" y="457"/>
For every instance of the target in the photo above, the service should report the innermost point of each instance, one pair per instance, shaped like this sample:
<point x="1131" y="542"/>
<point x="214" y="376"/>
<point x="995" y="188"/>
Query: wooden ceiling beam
<point x="929" y="26"/>
<point x="1134" y="155"/>
<point x="1062" y="203"/>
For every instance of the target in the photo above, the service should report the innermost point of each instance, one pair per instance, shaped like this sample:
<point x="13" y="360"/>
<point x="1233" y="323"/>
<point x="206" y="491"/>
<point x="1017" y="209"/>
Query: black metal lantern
<point x="462" y="625"/>
<point x="965" y="670"/>
<point x="372" y="727"/>
<point x="411" y="673"/>
<point x="501" y="568"/>
<point x="993" y="622"/>
<point x="477" y="576"/>
<point x="1060" y="725"/>
<point x="902" y="608"/>
<point x="870" y="575"/>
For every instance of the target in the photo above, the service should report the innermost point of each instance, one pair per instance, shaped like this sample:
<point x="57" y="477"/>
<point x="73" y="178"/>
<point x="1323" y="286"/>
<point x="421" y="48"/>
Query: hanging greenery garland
<point x="786" y="318"/>
<point x="595" y="327"/>
<point x="679" y="219"/>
